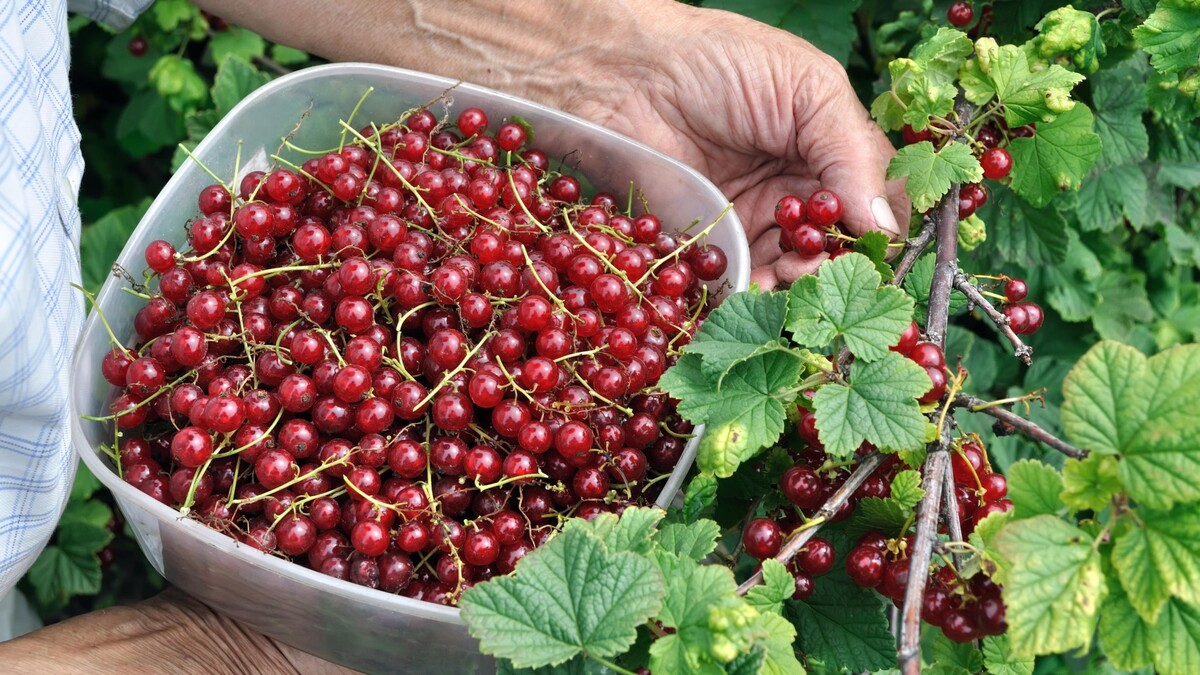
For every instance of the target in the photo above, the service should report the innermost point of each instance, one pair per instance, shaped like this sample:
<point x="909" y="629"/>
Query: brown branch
<point x="913" y="249"/>
<point x="793" y="546"/>
<point x="1021" y="350"/>
<point x="1026" y="427"/>
<point x="936" y="466"/>
<point x="945" y="214"/>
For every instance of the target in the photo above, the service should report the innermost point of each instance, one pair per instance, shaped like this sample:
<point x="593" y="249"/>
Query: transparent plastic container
<point x="358" y="627"/>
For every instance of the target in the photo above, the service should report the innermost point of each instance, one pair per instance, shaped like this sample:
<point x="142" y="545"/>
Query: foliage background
<point x="1117" y="260"/>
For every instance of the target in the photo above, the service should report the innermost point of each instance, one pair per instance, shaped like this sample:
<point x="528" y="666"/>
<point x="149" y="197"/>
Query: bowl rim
<point x="164" y="514"/>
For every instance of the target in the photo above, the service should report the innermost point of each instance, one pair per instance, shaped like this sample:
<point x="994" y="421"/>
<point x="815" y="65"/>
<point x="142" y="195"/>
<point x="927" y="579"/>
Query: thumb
<point x="849" y="154"/>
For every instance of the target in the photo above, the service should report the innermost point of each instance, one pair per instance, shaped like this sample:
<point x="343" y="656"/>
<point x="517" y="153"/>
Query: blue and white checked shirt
<point x="40" y="314"/>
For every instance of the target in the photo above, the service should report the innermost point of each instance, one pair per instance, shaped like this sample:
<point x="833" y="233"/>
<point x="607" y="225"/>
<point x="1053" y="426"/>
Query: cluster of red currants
<point x="810" y="229"/>
<point x="965" y="609"/>
<point x="405" y="362"/>
<point x="927" y="355"/>
<point x="1025" y="318"/>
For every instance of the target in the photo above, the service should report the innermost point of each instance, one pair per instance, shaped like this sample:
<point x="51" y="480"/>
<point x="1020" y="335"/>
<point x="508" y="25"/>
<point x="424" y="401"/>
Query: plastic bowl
<point x="358" y="627"/>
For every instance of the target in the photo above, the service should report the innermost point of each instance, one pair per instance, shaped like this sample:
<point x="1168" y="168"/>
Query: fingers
<point x="774" y="270"/>
<point x="847" y="151"/>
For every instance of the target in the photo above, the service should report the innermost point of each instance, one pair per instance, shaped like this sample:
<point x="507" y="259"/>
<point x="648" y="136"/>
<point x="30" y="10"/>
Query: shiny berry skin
<point x="995" y="487"/>
<point x="937" y="390"/>
<point x="160" y="256"/>
<point x="807" y="240"/>
<point x="1015" y="290"/>
<point x="1018" y="318"/>
<point x="960" y="14"/>
<point x="762" y="538"/>
<point x="865" y="565"/>
<point x="138" y="46"/>
<point x="976" y="193"/>
<point x="817" y="557"/>
<point x="959" y="626"/>
<point x="928" y="355"/>
<point x="997" y="163"/>
<point x="804" y="586"/>
<point x="803" y="487"/>
<point x="789" y="212"/>
<point x="369" y="538"/>
<point x="191" y="447"/>
<point x="824" y="208"/>
<point x="908" y="339"/>
<point x="1033" y="317"/>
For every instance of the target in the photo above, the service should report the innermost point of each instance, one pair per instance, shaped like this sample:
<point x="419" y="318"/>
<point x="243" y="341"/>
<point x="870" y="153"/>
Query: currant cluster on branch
<point x="812" y="228"/>
<point x="405" y="362"/>
<point x="1024" y="317"/>
<point x="965" y="609"/>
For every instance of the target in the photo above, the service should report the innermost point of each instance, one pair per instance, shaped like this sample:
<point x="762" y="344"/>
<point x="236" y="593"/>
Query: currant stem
<point x="936" y="466"/>
<point x="914" y="248"/>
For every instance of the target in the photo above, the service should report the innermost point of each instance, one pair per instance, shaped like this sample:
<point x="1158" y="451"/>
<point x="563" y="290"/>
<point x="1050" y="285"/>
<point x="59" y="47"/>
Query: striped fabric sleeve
<point x="116" y="14"/>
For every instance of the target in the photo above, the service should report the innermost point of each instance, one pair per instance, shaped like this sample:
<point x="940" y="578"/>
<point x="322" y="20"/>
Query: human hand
<point x="760" y="112"/>
<point x="169" y="633"/>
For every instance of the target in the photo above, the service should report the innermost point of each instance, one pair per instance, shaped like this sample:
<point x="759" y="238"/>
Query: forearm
<point x="538" y="49"/>
<point x="170" y="633"/>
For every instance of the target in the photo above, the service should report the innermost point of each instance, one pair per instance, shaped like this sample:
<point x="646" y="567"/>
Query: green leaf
<point x="235" y="79"/>
<point x="1052" y="583"/>
<point x="1004" y="72"/>
<point x="1123" y="305"/>
<point x="1123" y="634"/>
<point x="930" y="172"/>
<point x="236" y="41"/>
<point x="102" y="242"/>
<point x="1118" y="401"/>
<point x="740" y="327"/>
<point x="1171" y="35"/>
<point x="1119" y="101"/>
<point x="170" y="14"/>
<point x="85" y="484"/>
<point x="906" y="488"/>
<point x="1175" y="639"/>
<point x="846" y="299"/>
<point x="744" y="416"/>
<point x="1034" y="488"/>
<point x="920" y="280"/>
<point x="1159" y="557"/>
<point x="633" y="531"/>
<point x="1090" y="483"/>
<point x="781" y="655"/>
<point x="176" y="80"/>
<point x="874" y="245"/>
<point x="843" y="626"/>
<point x="1070" y="33"/>
<point x="577" y="666"/>
<point x="873" y="514"/>
<point x="699" y="498"/>
<point x="1103" y="406"/>
<point x="878" y="404"/>
<point x="694" y="594"/>
<point x="962" y="658"/>
<point x="998" y="658"/>
<point x="778" y="585"/>
<point x="1025" y="235"/>
<point x="1056" y="158"/>
<point x="70" y="567"/>
<point x="567" y="597"/>
<point x="287" y="56"/>
<point x="1110" y="197"/>
<point x="922" y="86"/>
<point x="693" y="540"/>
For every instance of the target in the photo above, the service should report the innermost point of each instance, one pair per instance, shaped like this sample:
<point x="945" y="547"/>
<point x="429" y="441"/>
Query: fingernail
<point x="884" y="219"/>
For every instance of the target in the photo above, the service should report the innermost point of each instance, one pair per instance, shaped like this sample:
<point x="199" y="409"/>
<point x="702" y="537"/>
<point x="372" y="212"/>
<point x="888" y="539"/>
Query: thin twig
<point x="1026" y="427"/>
<point x="913" y="250"/>
<point x="953" y="524"/>
<point x="918" y="558"/>
<point x="793" y="546"/>
<point x="1021" y="350"/>
<point x="271" y="64"/>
